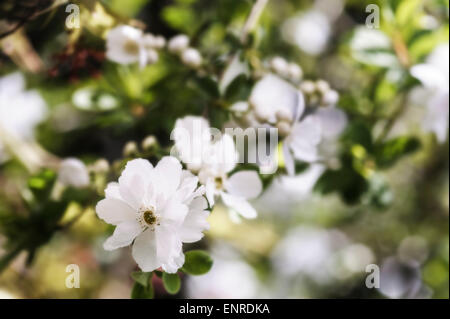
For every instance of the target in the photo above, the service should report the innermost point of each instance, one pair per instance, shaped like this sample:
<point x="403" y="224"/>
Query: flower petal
<point x="114" y="211"/>
<point x="112" y="191"/>
<point x="168" y="175"/>
<point x="195" y="222"/>
<point x="144" y="251"/>
<point x="174" y="212"/>
<point x="332" y="121"/>
<point x="240" y="205"/>
<point x="134" y="181"/>
<point x="304" y="139"/>
<point x="244" y="184"/>
<point x="123" y="235"/>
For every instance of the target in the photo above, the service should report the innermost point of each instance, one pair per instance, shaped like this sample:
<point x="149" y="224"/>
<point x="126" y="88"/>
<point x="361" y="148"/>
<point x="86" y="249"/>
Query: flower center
<point x="147" y="218"/>
<point x="219" y="182"/>
<point x="131" y="47"/>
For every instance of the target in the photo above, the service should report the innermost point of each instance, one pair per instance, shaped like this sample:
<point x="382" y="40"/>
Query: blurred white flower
<point x="178" y="43"/>
<point x="307" y="137"/>
<point x="272" y="94"/>
<point x="214" y="160"/>
<point x="307" y="250"/>
<point x="20" y="110"/>
<point x="402" y="280"/>
<point x="73" y="172"/>
<point x="127" y="45"/>
<point x="191" y="57"/>
<point x="158" y="208"/>
<point x="279" y="103"/>
<point x="229" y="278"/>
<point x="310" y="31"/>
<point x="434" y="75"/>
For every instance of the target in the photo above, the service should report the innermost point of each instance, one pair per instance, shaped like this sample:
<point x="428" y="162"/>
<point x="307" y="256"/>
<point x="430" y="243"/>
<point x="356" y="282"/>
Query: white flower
<point x="434" y="75"/>
<point x="155" y="209"/>
<point x="272" y="94"/>
<point x="20" y="110"/>
<point x="310" y="31"/>
<point x="214" y="160"/>
<point x="192" y="58"/>
<point x="280" y="104"/>
<point x="178" y="43"/>
<point x="73" y="172"/>
<point x="127" y="45"/>
<point x="192" y="136"/>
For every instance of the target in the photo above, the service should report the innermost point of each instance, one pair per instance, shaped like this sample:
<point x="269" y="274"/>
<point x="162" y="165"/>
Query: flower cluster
<point x="179" y="45"/>
<point x="127" y="45"/>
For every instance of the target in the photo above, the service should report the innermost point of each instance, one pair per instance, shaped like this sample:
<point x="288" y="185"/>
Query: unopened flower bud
<point x="295" y="72"/>
<point x="149" y="142"/>
<point x="149" y="40"/>
<point x="279" y="66"/>
<point x="322" y="86"/>
<point x="160" y="42"/>
<point x="283" y="115"/>
<point x="101" y="166"/>
<point x="130" y="149"/>
<point x="307" y="87"/>
<point x="73" y="172"/>
<point x="330" y="98"/>
<point x="284" y="128"/>
<point x="152" y="56"/>
<point x="178" y="43"/>
<point x="191" y="57"/>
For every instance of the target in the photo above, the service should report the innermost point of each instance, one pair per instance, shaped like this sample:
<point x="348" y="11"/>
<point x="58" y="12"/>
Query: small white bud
<point x="101" y="166"/>
<point x="331" y="97"/>
<point x="73" y="172"/>
<point x="295" y="72"/>
<point x="160" y="42"/>
<point x="307" y="87"/>
<point x="240" y="107"/>
<point x="178" y="43"/>
<point x="322" y="86"/>
<point x="191" y="57"/>
<point x="284" y="128"/>
<point x="279" y="66"/>
<point x="149" y="41"/>
<point x="283" y="115"/>
<point x="149" y="142"/>
<point x="130" y="149"/>
<point x="152" y="56"/>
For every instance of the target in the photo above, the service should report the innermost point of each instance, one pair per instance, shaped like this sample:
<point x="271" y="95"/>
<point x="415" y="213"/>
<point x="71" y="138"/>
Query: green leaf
<point x="406" y="11"/>
<point x="391" y="151"/>
<point x="143" y="278"/>
<point x="172" y="283"/>
<point x="239" y="89"/>
<point x="197" y="262"/>
<point x="141" y="292"/>
<point x="209" y="85"/>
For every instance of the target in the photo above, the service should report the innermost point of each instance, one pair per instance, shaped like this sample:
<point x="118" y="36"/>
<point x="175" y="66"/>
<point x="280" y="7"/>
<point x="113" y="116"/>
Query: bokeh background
<point x="304" y="244"/>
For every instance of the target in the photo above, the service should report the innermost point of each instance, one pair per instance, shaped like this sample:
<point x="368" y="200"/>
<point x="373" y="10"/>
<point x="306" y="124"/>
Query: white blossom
<point x="191" y="57"/>
<point x="20" y="110"/>
<point x="125" y="45"/>
<point x="178" y="43"/>
<point x="308" y="136"/>
<point x="73" y="172"/>
<point x="155" y="209"/>
<point x="434" y="75"/>
<point x="214" y="160"/>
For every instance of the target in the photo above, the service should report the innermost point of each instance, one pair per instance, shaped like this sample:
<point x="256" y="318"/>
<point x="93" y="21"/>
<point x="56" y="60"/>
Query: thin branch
<point x="253" y="18"/>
